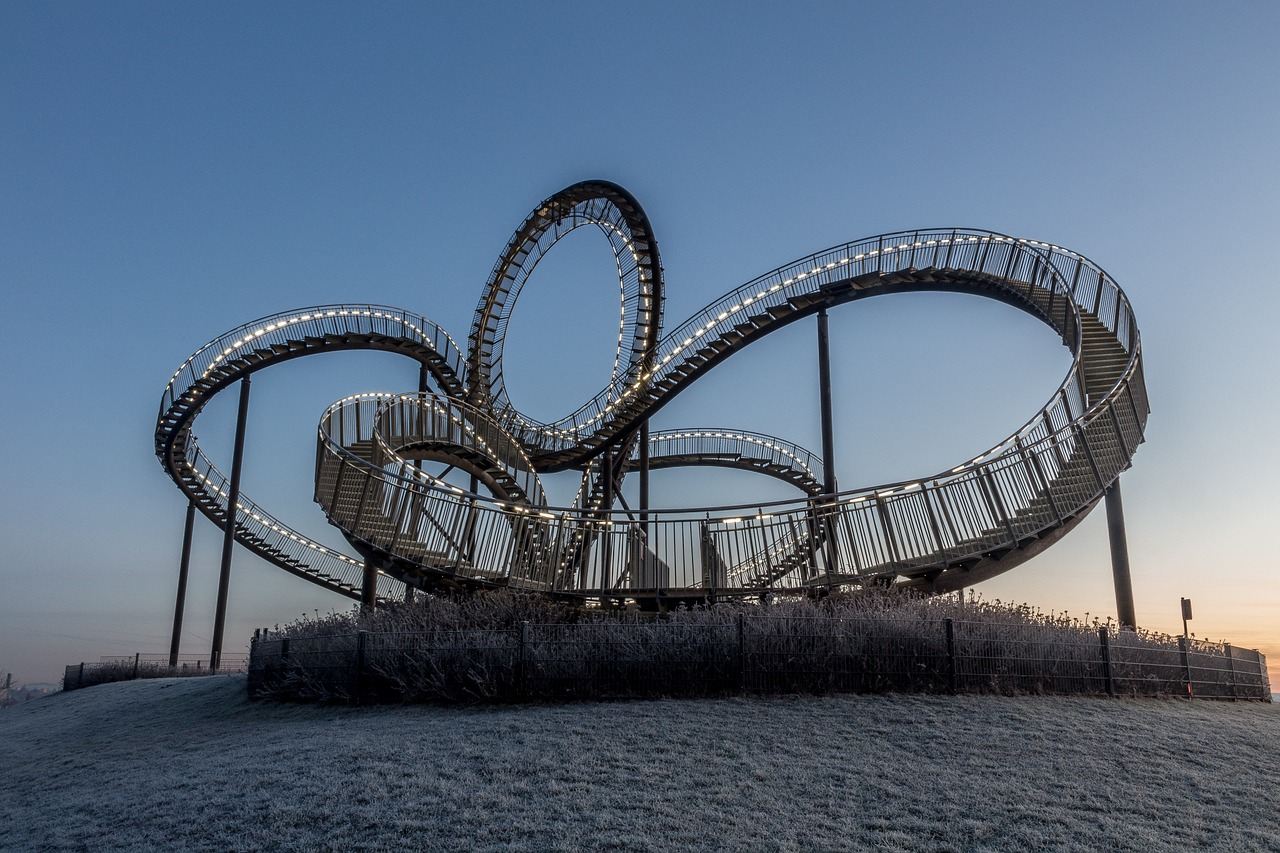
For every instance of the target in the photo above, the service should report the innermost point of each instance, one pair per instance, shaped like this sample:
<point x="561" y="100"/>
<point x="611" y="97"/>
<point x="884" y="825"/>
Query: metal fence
<point x="129" y="667"/>
<point x="746" y="654"/>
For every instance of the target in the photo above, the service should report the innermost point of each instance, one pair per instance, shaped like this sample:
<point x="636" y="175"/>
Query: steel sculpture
<point x="413" y="530"/>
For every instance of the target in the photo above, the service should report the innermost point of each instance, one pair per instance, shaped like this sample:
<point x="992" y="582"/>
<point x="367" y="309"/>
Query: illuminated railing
<point x="1072" y="279"/>
<point x="908" y="529"/>
<point x="269" y="340"/>
<point x="940" y="530"/>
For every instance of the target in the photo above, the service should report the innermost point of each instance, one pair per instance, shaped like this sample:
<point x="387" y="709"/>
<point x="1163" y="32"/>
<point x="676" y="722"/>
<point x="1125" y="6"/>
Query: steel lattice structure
<point x="939" y="532"/>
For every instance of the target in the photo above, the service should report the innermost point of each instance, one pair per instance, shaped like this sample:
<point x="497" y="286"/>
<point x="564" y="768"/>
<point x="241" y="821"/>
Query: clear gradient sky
<point x="170" y="171"/>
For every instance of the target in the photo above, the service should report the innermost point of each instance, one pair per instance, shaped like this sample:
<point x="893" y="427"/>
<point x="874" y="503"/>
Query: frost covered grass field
<point x="192" y="764"/>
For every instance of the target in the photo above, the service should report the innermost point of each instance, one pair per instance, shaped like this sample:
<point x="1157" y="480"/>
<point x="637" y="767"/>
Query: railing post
<point x="951" y="656"/>
<point x="1231" y="670"/>
<point x="742" y="652"/>
<point x="137" y="656"/>
<point x="1105" y="642"/>
<point x="1184" y="652"/>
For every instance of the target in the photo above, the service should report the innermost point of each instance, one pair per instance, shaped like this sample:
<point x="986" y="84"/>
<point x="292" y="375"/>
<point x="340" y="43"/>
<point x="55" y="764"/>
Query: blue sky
<point x="168" y="172"/>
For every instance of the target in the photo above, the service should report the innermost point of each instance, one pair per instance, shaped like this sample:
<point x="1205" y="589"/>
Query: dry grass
<point x="193" y="765"/>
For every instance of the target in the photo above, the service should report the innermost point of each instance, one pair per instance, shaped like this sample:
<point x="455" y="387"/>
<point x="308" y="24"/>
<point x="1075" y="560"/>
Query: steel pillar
<point x="369" y="585"/>
<point x="606" y="504"/>
<point x="183" y="565"/>
<point x="644" y="475"/>
<point x="824" y="390"/>
<point x="828" y="440"/>
<point x="1120" y="557"/>
<point x="229" y="527"/>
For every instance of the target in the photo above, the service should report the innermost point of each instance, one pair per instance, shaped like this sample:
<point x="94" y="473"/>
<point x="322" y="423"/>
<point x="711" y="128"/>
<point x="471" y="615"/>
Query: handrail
<point x="943" y="531"/>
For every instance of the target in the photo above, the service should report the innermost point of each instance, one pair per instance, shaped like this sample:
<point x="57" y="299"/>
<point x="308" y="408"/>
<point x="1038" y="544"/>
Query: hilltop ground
<point x="191" y="764"/>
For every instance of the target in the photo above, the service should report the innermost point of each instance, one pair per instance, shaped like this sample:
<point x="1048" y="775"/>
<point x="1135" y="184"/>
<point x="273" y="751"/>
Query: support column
<point x="472" y="519"/>
<point x="229" y="527"/>
<point x="828" y="439"/>
<point x="824" y="391"/>
<point x="644" y="475"/>
<point x="369" y="585"/>
<point x="183" y="565"/>
<point x="1120" y="557"/>
<point x="421" y="464"/>
<point x="606" y="504"/>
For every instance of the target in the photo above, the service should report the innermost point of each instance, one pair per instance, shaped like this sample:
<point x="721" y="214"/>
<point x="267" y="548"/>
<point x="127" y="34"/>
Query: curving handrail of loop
<point x="943" y="531"/>
<point x="752" y="451"/>
<point x="1074" y="279"/>
<point x="623" y="221"/>
<point x="288" y="327"/>
<point x="427" y="426"/>
<point x="258" y="344"/>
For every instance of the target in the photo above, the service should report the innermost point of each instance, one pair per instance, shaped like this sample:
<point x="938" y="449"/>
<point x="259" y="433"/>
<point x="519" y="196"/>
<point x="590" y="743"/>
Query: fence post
<point x="1105" y="642"/>
<point x="360" y="650"/>
<point x="742" y="652"/>
<point x="951" y="655"/>
<point x="1231" y="670"/>
<point x="80" y="680"/>
<point x="1184" y="653"/>
<point x="522" y="684"/>
<point x="136" y="657"/>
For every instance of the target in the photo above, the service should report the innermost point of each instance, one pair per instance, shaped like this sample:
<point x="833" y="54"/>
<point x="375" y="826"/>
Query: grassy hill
<point x="191" y="764"/>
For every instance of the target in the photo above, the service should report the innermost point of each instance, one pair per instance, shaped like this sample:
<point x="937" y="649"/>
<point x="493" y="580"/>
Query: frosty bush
<point x="500" y="647"/>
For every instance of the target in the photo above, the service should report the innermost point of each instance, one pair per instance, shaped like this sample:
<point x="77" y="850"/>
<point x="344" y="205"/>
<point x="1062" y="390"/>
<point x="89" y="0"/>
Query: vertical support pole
<point x="137" y="658"/>
<point x="1231" y="670"/>
<point x="229" y="527"/>
<point x="1120" y="557"/>
<point x="369" y="585"/>
<point x="828" y="439"/>
<point x="742" y="652"/>
<point x="606" y="527"/>
<point x="1184" y="652"/>
<point x="472" y="518"/>
<point x="644" y="476"/>
<point x="1105" y="642"/>
<point x="183" y="565"/>
<point x="824" y="391"/>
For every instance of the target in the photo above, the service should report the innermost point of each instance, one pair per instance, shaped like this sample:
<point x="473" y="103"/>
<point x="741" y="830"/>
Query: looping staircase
<point x="939" y="532"/>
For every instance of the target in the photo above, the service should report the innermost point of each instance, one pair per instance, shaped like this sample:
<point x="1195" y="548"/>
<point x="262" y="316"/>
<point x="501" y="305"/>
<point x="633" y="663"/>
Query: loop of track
<point x="942" y="531"/>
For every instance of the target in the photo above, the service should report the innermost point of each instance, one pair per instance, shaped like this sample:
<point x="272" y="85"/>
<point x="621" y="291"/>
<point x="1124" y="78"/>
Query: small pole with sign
<point x="1186" y="644"/>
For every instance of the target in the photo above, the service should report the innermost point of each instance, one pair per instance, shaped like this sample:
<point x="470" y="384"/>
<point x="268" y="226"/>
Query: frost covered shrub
<point x="503" y="647"/>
